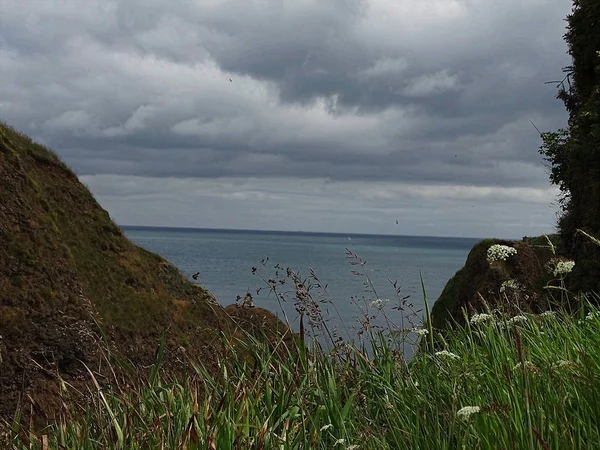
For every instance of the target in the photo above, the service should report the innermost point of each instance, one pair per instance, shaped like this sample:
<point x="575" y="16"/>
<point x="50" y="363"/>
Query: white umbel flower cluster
<point x="592" y="315"/>
<point x="563" y="268"/>
<point x="379" y="303"/>
<point x="529" y="366"/>
<point x="517" y="319"/>
<point x="466" y="411"/>
<point x="499" y="252"/>
<point x="421" y="331"/>
<point x="511" y="284"/>
<point x="446" y="354"/>
<point x="562" y="363"/>
<point x="479" y="318"/>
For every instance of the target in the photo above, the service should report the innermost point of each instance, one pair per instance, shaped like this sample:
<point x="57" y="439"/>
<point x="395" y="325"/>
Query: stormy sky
<point x="313" y="115"/>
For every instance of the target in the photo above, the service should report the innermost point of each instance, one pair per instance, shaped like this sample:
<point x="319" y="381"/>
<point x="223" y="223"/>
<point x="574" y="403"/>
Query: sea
<point x="359" y="277"/>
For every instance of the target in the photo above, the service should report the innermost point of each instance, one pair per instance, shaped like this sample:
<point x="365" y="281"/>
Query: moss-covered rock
<point x="511" y="285"/>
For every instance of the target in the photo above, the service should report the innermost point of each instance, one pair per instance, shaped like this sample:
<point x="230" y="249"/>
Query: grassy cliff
<point x="72" y="286"/>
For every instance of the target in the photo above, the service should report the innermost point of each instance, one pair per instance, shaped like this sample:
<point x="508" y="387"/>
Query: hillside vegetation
<point x="574" y="152"/>
<point x="73" y="288"/>
<point x="525" y="281"/>
<point x="573" y="155"/>
<point x="508" y="359"/>
<point x="499" y="382"/>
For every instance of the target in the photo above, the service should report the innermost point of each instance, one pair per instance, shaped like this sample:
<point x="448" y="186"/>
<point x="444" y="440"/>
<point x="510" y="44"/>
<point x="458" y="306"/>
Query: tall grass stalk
<point x="526" y="383"/>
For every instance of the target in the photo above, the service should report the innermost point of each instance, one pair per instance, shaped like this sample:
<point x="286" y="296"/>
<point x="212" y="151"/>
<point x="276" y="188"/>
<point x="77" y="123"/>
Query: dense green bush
<point x="574" y="152"/>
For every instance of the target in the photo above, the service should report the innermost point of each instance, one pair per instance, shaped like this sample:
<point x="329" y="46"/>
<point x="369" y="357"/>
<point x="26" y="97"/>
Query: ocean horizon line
<point x="294" y="233"/>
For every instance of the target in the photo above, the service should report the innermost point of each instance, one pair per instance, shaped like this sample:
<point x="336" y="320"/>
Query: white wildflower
<point x="531" y="367"/>
<point x="561" y="363"/>
<point x="511" y="284"/>
<point x="353" y="447"/>
<point x="466" y="411"/>
<point x="421" y="331"/>
<point x="563" y="267"/>
<point x="499" y="252"/>
<point x="326" y="427"/>
<point x="592" y="315"/>
<point x="446" y="354"/>
<point x="478" y="318"/>
<point x="548" y="314"/>
<point x="341" y="441"/>
<point x="517" y="319"/>
<point x="379" y="303"/>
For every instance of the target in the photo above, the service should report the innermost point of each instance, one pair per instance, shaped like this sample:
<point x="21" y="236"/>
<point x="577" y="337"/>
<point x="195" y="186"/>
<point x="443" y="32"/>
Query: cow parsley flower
<point x="563" y="268"/>
<point x="479" y="318"/>
<point x="499" y="252"/>
<point x="529" y="366"/>
<point x="548" y="314"/>
<point x="379" y="303"/>
<point x="517" y="319"/>
<point x="511" y="284"/>
<point x="592" y="315"/>
<point x="562" y="363"/>
<point x="446" y="354"/>
<point x="466" y="411"/>
<point x="421" y="331"/>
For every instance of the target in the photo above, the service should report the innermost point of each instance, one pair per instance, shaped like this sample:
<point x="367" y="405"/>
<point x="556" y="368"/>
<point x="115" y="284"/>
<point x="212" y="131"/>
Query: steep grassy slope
<point x="71" y="282"/>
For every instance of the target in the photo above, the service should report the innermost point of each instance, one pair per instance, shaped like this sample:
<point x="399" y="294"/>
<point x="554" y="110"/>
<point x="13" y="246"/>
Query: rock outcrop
<point x="512" y="285"/>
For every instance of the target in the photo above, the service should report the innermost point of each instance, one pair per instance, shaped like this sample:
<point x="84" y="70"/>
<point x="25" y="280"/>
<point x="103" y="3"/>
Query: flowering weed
<point x="499" y="252"/>
<point x="533" y="383"/>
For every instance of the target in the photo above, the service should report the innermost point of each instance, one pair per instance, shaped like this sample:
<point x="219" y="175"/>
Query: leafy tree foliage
<point x="574" y="153"/>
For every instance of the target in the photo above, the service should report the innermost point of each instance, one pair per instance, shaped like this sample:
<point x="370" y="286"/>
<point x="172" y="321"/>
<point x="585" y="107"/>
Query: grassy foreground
<point x="522" y="382"/>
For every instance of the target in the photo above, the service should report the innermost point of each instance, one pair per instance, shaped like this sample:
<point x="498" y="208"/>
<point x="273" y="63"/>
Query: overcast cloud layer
<point x="325" y="115"/>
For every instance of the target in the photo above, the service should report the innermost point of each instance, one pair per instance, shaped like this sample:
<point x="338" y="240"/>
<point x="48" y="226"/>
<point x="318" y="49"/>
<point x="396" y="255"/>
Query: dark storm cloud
<point x="428" y="91"/>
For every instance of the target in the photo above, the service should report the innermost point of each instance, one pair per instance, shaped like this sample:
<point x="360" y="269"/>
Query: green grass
<point x="536" y="383"/>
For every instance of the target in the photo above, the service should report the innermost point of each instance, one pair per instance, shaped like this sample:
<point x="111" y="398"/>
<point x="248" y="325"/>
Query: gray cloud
<point x="423" y="93"/>
<point x="318" y="204"/>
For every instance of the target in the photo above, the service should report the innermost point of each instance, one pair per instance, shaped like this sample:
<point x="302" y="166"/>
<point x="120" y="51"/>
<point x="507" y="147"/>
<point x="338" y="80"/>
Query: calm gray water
<point x="225" y="258"/>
